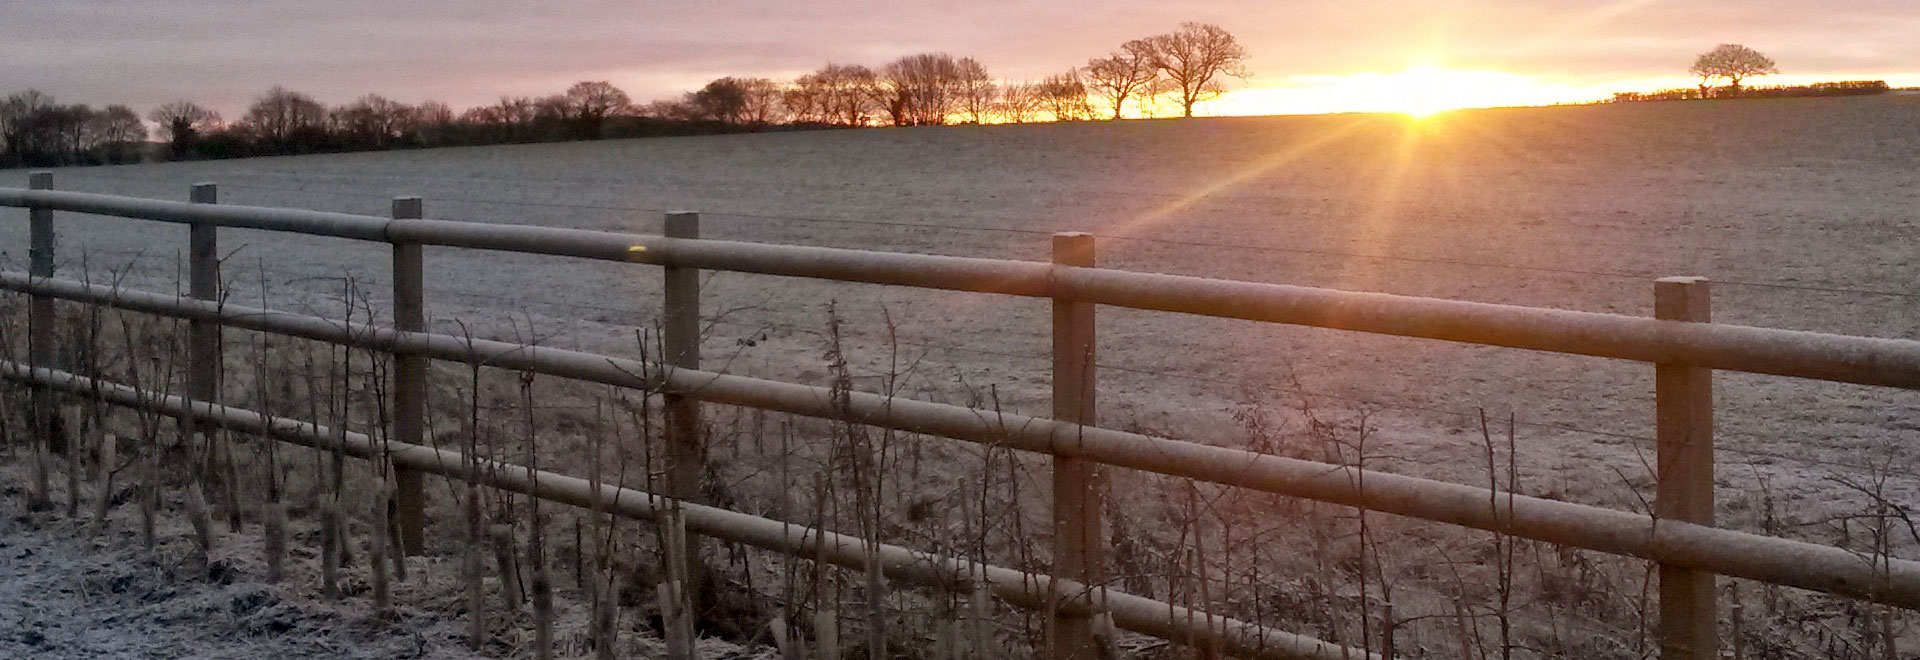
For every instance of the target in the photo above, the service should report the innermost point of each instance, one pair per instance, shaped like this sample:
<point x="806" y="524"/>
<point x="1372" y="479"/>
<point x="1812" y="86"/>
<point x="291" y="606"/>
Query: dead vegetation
<point x="528" y="580"/>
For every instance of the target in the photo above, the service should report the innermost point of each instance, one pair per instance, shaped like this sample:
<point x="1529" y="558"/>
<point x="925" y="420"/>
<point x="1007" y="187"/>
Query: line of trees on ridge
<point x="1735" y="63"/>
<point x="1153" y="76"/>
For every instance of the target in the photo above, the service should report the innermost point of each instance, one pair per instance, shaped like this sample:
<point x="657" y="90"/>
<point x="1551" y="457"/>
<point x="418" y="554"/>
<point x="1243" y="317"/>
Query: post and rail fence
<point x="1680" y="342"/>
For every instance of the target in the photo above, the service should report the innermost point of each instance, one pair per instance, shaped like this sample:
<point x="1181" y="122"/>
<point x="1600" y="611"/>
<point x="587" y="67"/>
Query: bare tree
<point x="723" y="100"/>
<point x="1152" y="100"/>
<point x="118" y="134"/>
<point x="430" y="122"/>
<point x="554" y="114"/>
<point x="1733" y="62"/>
<point x="1020" y="102"/>
<point x="285" y="119"/>
<point x="511" y="117"/>
<point x="975" y="88"/>
<point x="737" y="101"/>
<point x="590" y="102"/>
<point x="804" y="101"/>
<point x="60" y="135"/>
<point x="836" y="94"/>
<point x="665" y="109"/>
<point x="18" y="115"/>
<point x="431" y="114"/>
<point x="181" y="123"/>
<point x="372" y="121"/>
<point x="919" y="90"/>
<point x="1194" y="58"/>
<point x="1065" y="97"/>
<point x="762" y="99"/>
<point x="1123" y="74"/>
<point x="517" y="110"/>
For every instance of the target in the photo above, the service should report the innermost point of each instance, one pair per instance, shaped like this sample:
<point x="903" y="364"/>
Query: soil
<point x="67" y="591"/>
<point x="72" y="589"/>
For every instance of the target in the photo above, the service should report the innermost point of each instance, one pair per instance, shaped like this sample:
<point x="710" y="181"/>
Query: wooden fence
<point x="1681" y="344"/>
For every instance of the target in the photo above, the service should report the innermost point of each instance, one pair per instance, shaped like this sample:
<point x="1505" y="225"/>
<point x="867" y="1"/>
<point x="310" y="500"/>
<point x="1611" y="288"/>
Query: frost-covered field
<point x="1573" y="208"/>
<point x="1803" y="210"/>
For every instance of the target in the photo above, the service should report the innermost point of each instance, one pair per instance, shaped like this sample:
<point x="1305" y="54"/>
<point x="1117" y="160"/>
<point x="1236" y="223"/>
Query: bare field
<point x="1802" y="211"/>
<point x="1574" y="208"/>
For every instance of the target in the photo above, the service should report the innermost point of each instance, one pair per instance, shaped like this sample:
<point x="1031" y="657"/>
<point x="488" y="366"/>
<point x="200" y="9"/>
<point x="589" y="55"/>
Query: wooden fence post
<point x="680" y="344"/>
<point x="409" y="381"/>
<point x="680" y="341"/>
<point x="40" y="323"/>
<point x="1689" y="617"/>
<point x="203" y="344"/>
<point x="1079" y="548"/>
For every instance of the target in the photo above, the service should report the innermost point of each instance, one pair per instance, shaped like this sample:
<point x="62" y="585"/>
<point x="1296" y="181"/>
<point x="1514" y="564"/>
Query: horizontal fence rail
<point x="1727" y="552"/>
<point x="1680" y="342"/>
<point x="1030" y="590"/>
<point x="1821" y="356"/>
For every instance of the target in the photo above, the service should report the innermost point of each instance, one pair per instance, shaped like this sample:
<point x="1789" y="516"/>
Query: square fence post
<point x="40" y="323"/>
<point x="409" y="381"/>
<point x="203" y="283"/>
<point x="204" y="351"/>
<point x="1079" y="544"/>
<point x="680" y="342"/>
<point x="1683" y="491"/>
<point x="686" y="451"/>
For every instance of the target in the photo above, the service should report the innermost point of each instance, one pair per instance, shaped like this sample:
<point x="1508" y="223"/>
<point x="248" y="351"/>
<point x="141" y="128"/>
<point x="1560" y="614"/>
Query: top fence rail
<point x="1820" y="356"/>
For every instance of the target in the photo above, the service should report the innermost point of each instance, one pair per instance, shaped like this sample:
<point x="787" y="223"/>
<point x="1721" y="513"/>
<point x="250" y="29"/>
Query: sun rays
<point x="1418" y="91"/>
<point x="1145" y="221"/>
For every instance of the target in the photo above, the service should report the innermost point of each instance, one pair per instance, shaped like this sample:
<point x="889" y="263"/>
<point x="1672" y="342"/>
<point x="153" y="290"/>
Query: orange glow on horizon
<point x="1417" y="92"/>
<point x="1423" y="91"/>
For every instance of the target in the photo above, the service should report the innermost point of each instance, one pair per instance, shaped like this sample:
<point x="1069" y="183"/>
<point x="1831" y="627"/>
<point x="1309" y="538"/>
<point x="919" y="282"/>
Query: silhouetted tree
<point x="372" y="122"/>
<point x="975" y="90"/>
<point x="805" y="102"/>
<point x="840" y="94"/>
<point x="118" y="134"/>
<point x="1733" y="62"/>
<point x="19" y="119"/>
<point x="428" y="123"/>
<point x="39" y="132"/>
<point x="763" y="102"/>
<point x="723" y="100"/>
<point x="1193" y="59"/>
<point x="508" y="120"/>
<point x="919" y="90"/>
<point x="1020" y="102"/>
<point x="1065" y="96"/>
<point x="553" y="118"/>
<point x="60" y="135"/>
<point x="588" y="104"/>
<point x="181" y="124"/>
<point x="285" y="121"/>
<point x="669" y="111"/>
<point x="1123" y="74"/>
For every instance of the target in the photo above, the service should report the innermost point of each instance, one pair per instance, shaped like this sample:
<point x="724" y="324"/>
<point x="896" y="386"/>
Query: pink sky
<point x="225" y="53"/>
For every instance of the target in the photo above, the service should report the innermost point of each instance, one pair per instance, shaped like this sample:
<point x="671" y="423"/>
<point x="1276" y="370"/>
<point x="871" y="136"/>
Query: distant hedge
<point x="1842" y="88"/>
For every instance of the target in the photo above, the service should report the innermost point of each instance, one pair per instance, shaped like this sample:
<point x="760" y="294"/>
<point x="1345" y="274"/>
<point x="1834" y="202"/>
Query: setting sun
<point x="1418" y="92"/>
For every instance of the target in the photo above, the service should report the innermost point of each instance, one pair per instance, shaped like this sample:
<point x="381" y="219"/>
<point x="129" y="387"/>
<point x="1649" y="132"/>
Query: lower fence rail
<point x="1028" y="590"/>
<point x="1726" y="552"/>
<point x="1680" y="342"/>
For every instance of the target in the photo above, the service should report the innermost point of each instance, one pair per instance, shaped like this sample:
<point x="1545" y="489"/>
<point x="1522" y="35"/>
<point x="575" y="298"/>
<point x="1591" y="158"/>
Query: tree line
<point x="1840" y="88"/>
<point x="1159" y="75"/>
<point x="34" y="130"/>
<point x="1735" y="63"/>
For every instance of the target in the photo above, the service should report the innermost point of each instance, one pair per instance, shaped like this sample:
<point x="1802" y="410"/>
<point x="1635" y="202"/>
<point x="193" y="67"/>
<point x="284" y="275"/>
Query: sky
<point x="1304" y="55"/>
